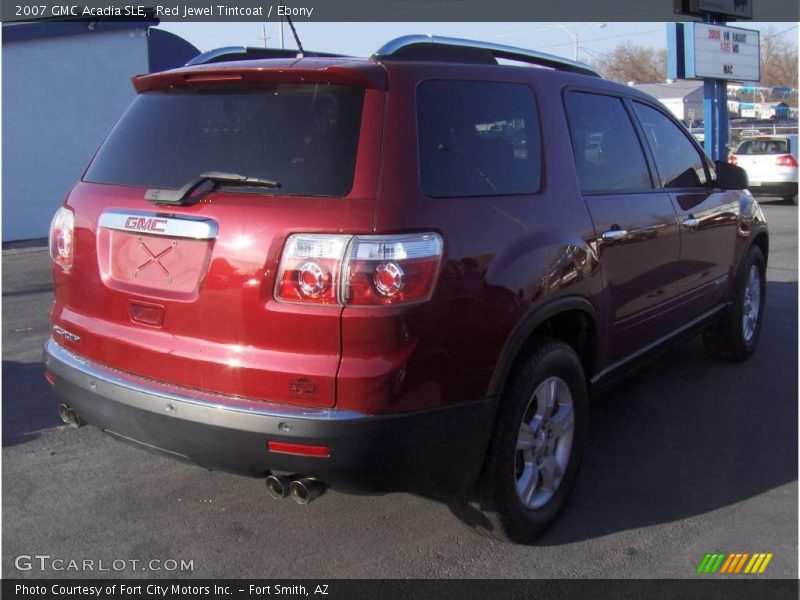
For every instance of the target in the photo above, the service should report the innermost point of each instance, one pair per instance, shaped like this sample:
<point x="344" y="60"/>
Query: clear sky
<point x="362" y="39"/>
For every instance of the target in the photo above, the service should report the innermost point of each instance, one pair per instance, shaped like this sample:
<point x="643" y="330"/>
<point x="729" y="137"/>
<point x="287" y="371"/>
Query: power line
<point x="772" y="35"/>
<point x="600" y="39"/>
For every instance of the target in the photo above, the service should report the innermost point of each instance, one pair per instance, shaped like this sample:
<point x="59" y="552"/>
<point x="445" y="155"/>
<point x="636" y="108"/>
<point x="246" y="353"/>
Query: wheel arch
<point x="571" y="319"/>
<point x="761" y="239"/>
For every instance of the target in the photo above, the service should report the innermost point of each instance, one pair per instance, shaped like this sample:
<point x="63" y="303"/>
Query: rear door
<point x="707" y="215"/>
<point x="185" y="294"/>
<point x="635" y="223"/>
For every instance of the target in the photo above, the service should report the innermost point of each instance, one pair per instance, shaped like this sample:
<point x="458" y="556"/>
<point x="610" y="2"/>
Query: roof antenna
<point x="294" y="33"/>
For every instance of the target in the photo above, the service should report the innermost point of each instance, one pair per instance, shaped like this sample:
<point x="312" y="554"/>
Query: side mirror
<point x="731" y="177"/>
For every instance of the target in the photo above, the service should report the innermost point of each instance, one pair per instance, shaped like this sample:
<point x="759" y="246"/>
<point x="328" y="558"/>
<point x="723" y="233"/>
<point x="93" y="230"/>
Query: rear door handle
<point x="614" y="235"/>
<point x="691" y="223"/>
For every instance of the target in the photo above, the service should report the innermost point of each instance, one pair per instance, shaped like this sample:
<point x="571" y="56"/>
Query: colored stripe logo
<point x="740" y="562"/>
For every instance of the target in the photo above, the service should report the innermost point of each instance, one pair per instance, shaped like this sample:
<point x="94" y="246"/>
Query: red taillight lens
<point x="310" y="268"/>
<point x="389" y="279"/>
<point x="391" y="269"/>
<point x="733" y="160"/>
<point x="787" y="160"/>
<point x="313" y="279"/>
<point x="62" y="231"/>
<point x="363" y="270"/>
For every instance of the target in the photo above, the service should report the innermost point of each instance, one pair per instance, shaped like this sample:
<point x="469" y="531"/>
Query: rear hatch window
<point x="302" y="135"/>
<point x="777" y="146"/>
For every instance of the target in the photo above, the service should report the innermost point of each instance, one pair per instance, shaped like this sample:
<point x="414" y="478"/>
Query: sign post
<point x="715" y="112"/>
<point x="715" y="118"/>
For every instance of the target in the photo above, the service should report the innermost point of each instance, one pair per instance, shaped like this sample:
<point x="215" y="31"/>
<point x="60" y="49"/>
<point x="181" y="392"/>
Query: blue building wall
<point x="62" y="93"/>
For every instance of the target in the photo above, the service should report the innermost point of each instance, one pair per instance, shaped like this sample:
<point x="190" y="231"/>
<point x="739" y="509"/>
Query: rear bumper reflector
<point x="299" y="449"/>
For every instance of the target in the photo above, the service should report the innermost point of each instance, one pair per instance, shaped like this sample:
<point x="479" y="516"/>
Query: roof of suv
<point x="244" y="64"/>
<point x="252" y="65"/>
<point x="411" y="47"/>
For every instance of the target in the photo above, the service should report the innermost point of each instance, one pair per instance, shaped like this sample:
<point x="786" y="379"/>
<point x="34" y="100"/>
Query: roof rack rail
<point x="230" y="53"/>
<point x="429" y="47"/>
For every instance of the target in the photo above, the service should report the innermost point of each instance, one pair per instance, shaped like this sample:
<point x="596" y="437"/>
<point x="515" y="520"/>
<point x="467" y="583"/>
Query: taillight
<point x="733" y="160"/>
<point x="310" y="268"/>
<point x="361" y="270"/>
<point x="391" y="269"/>
<point x="62" y="230"/>
<point x="787" y="160"/>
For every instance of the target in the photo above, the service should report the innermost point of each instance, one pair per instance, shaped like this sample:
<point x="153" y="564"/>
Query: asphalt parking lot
<point x="688" y="456"/>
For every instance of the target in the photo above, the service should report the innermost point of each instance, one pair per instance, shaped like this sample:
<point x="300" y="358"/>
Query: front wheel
<point x="736" y="338"/>
<point x="536" y="449"/>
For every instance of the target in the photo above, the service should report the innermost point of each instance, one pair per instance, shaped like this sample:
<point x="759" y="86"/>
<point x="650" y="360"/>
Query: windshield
<point x="303" y="135"/>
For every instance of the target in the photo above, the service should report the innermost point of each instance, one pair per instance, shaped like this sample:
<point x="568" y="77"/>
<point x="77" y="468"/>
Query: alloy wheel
<point x="544" y="442"/>
<point x="751" y="303"/>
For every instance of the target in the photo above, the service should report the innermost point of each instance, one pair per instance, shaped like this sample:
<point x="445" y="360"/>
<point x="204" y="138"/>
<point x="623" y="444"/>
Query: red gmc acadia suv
<point x="401" y="273"/>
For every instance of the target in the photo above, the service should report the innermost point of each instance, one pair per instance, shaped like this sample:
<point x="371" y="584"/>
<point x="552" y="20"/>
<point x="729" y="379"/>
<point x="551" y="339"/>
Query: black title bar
<point x="705" y="587"/>
<point x="374" y="10"/>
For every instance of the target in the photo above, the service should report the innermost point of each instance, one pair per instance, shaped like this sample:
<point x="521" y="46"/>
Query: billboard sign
<point x="708" y="51"/>
<point x="724" y="53"/>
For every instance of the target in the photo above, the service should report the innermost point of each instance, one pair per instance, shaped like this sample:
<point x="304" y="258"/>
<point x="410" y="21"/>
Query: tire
<point x="497" y="508"/>
<point x="736" y="337"/>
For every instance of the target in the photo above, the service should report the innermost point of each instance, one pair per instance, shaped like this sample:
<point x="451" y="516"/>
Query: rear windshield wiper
<point x="182" y="195"/>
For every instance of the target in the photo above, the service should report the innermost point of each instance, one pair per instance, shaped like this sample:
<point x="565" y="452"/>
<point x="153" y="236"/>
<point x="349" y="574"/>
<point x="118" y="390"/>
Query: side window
<point x="608" y="155"/>
<point x="477" y="138"/>
<point x="679" y="163"/>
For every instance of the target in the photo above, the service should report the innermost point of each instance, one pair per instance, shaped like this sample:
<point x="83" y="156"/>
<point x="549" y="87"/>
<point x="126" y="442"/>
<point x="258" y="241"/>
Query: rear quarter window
<point x="478" y="138"/>
<point x="304" y="136"/>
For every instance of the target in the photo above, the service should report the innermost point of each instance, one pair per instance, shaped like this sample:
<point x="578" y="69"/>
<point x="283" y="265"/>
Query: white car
<point x="771" y="165"/>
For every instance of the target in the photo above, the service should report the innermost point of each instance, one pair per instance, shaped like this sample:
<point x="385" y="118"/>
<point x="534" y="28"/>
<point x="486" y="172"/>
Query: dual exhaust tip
<point x="302" y="489"/>
<point x="69" y="416"/>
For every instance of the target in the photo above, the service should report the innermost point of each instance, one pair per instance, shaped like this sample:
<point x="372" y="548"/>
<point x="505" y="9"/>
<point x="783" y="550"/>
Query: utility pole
<point x="576" y="36"/>
<point x="281" y="34"/>
<point x="264" y="37"/>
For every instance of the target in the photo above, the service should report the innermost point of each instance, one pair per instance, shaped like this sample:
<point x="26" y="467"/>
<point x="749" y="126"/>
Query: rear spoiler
<point x="273" y="71"/>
